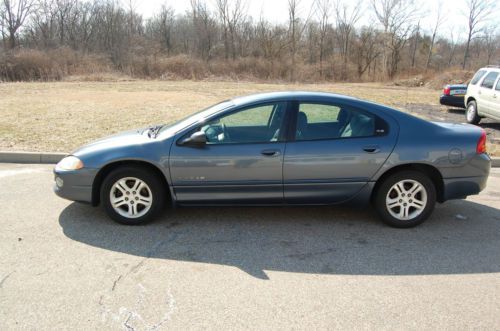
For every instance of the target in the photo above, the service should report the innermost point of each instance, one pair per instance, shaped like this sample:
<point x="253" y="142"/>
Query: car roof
<point x="491" y="68"/>
<point x="320" y="97"/>
<point x="288" y="95"/>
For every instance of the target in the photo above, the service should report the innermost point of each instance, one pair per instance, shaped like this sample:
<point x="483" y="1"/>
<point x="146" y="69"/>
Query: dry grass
<point x="61" y="116"/>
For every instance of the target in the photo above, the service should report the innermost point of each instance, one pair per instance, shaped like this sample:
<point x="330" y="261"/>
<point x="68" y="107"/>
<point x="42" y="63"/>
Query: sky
<point x="276" y="11"/>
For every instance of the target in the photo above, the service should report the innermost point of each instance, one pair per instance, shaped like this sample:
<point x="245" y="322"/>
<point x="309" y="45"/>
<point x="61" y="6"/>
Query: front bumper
<point x="77" y="184"/>
<point x="453" y="101"/>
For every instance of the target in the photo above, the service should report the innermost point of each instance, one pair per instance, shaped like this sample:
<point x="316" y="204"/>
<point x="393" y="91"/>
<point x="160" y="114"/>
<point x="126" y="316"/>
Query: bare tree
<point x="478" y="12"/>
<point x="204" y="27"/>
<point x="63" y="10"/>
<point x="295" y="31"/>
<point x="346" y="18"/>
<point x="453" y="46"/>
<point x="397" y="18"/>
<point x="416" y="37"/>
<point x="366" y="50"/>
<point x="231" y="14"/>
<point x="440" y="18"/>
<point x="323" y="12"/>
<point x="13" y="15"/>
<point x="491" y="39"/>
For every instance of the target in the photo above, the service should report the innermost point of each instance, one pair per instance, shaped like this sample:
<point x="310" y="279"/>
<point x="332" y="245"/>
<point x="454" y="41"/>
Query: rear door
<point x="486" y="103"/>
<point x="335" y="149"/>
<point x="496" y="100"/>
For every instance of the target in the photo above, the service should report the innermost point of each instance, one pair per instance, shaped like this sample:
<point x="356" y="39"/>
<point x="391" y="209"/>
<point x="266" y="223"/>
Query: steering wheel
<point x="227" y="138"/>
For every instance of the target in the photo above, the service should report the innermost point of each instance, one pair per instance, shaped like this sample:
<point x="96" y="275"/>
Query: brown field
<point x="60" y="116"/>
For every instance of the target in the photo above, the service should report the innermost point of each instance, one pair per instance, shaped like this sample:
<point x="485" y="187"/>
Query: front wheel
<point x="132" y="195"/>
<point x="471" y="114"/>
<point x="405" y="199"/>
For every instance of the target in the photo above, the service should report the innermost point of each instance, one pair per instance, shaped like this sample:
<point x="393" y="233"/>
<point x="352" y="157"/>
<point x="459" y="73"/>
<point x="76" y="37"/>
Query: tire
<point x="405" y="211"/>
<point x="138" y="194"/>
<point x="471" y="115"/>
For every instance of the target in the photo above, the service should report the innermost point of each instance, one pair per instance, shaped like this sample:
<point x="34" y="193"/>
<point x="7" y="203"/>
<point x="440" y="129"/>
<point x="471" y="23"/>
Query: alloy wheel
<point x="406" y="199"/>
<point x="471" y="113"/>
<point x="131" y="197"/>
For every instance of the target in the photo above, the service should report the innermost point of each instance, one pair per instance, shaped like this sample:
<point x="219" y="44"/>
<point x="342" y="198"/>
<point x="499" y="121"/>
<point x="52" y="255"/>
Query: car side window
<point x="498" y="86"/>
<point x="326" y="121"/>
<point x="258" y="124"/>
<point x="477" y="77"/>
<point x="489" y="80"/>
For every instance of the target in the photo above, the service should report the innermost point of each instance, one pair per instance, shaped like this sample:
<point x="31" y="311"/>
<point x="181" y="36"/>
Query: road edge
<point x="52" y="158"/>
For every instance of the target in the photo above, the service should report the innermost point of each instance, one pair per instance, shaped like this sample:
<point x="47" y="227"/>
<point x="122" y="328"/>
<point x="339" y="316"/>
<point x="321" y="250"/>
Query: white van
<point x="483" y="95"/>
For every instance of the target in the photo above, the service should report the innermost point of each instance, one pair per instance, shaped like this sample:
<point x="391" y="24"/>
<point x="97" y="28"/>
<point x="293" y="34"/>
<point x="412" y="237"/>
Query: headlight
<point x="69" y="163"/>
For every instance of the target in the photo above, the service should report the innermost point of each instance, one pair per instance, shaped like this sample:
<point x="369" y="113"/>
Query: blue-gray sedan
<point x="284" y="148"/>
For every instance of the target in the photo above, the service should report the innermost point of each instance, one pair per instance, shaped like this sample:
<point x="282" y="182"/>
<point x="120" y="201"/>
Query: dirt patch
<point x="435" y="82"/>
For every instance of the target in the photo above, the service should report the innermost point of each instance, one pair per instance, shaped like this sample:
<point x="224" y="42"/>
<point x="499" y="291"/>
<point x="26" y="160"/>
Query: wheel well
<point x="105" y="171"/>
<point x="428" y="170"/>
<point x="469" y="100"/>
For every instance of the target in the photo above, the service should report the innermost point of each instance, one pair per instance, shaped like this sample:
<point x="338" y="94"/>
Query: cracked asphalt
<point x="65" y="265"/>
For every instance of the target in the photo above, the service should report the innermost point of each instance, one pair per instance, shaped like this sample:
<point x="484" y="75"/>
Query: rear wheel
<point x="405" y="199"/>
<point x="471" y="114"/>
<point x="132" y="195"/>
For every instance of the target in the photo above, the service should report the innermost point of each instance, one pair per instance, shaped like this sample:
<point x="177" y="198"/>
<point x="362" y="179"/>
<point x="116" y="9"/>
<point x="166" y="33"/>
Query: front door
<point x="336" y="150"/>
<point x="242" y="161"/>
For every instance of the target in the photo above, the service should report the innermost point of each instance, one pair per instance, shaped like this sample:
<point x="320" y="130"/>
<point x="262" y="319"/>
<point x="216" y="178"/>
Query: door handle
<point x="479" y="92"/>
<point x="270" y="152"/>
<point x="371" y="149"/>
<point x="494" y="95"/>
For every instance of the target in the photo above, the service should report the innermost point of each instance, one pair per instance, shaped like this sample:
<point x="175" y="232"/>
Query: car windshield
<point x="196" y="117"/>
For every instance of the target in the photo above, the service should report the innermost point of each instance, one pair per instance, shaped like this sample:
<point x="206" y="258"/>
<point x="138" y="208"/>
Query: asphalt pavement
<point x="65" y="265"/>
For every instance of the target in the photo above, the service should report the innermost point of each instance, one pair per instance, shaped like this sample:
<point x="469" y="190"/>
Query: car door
<point x="334" y="152"/>
<point x="496" y="101"/>
<point x="241" y="162"/>
<point x="486" y="92"/>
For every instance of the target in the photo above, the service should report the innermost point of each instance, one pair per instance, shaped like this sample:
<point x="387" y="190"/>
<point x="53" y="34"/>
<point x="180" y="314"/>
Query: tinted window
<point x="257" y="124"/>
<point x="489" y="80"/>
<point x="498" y="86"/>
<point x="323" y="121"/>
<point x="477" y="77"/>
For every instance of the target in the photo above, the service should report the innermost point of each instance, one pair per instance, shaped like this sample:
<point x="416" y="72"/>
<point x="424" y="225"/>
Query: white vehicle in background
<point x="483" y="95"/>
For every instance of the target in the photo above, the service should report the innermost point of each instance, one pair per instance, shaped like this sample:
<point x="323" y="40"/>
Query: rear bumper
<point x="460" y="188"/>
<point x="453" y="101"/>
<point x="76" y="185"/>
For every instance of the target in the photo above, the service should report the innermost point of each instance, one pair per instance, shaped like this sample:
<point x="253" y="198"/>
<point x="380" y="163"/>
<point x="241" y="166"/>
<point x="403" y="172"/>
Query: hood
<point x="123" y="139"/>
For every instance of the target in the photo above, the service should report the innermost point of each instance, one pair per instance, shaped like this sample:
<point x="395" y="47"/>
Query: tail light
<point x="446" y="90"/>
<point x="481" y="144"/>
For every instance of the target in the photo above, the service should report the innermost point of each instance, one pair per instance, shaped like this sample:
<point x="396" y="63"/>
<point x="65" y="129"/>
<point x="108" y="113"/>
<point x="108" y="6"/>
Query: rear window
<point x="477" y="77"/>
<point x="489" y="80"/>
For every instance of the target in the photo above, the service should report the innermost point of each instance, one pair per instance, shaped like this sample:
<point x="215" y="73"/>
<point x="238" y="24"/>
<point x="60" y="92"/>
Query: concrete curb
<point x="30" y="157"/>
<point x="51" y="158"/>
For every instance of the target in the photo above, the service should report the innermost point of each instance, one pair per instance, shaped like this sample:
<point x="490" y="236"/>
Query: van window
<point x="477" y="77"/>
<point x="489" y="80"/>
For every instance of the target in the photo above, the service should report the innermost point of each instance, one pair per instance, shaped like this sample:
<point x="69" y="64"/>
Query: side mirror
<point x="198" y="138"/>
